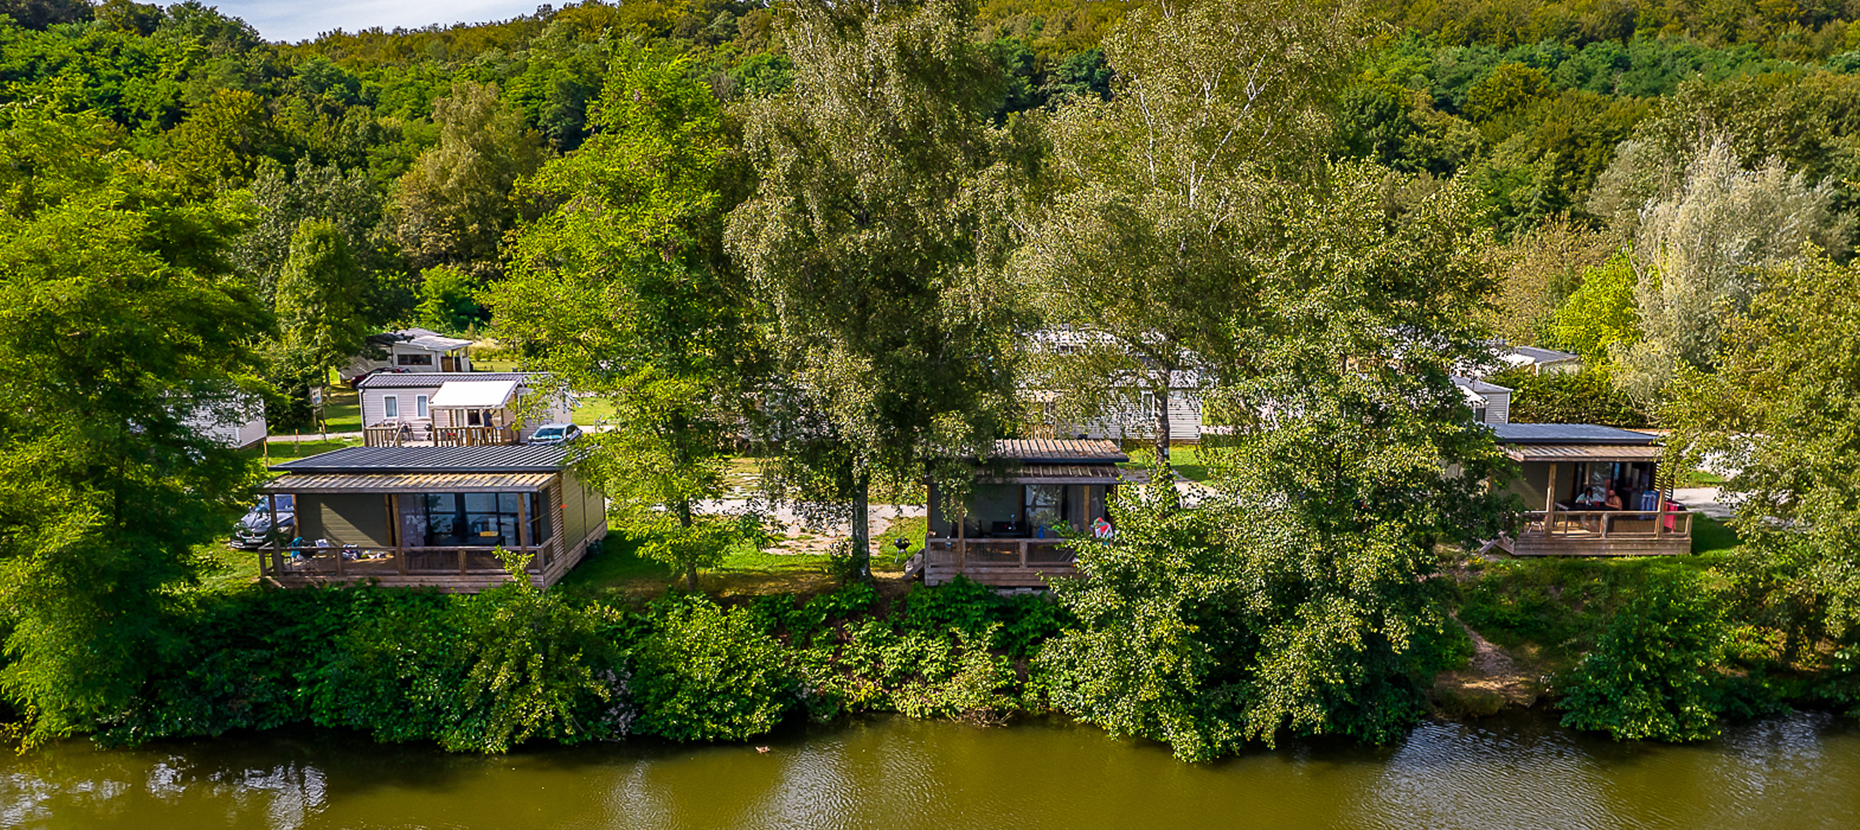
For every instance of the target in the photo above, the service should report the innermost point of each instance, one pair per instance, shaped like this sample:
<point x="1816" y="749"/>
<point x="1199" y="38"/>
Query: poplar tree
<point x="874" y="240"/>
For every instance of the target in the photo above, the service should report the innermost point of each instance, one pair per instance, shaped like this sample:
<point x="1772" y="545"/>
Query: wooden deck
<point x="1602" y="533"/>
<point x="998" y="563"/>
<point x="451" y="570"/>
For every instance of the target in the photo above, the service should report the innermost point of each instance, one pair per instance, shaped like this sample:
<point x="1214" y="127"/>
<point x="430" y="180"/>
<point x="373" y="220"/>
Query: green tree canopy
<point x="874" y="239"/>
<point x="1298" y="595"/>
<point x="623" y="292"/>
<point x="455" y="205"/>
<point x="119" y="320"/>
<point x="1143" y="246"/>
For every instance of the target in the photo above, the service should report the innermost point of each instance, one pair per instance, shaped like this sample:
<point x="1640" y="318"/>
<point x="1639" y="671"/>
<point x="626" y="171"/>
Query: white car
<point x="554" y="434"/>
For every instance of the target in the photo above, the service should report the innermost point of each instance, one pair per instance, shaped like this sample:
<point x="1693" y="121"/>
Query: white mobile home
<point x="455" y="407"/>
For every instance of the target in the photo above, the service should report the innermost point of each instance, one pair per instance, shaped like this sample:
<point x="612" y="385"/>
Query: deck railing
<point x="398" y="435"/>
<point x="364" y="561"/>
<point x="1044" y="555"/>
<point x="1608" y="524"/>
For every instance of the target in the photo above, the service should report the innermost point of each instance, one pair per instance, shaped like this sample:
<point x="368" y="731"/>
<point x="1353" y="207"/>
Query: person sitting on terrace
<point x="1612" y="501"/>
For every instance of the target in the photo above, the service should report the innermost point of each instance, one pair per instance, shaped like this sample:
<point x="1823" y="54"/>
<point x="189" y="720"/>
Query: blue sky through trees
<point x="294" y="21"/>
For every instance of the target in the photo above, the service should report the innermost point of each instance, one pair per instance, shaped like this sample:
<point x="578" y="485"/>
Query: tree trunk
<point x="862" y="528"/>
<point x="684" y="520"/>
<point x="1162" y="427"/>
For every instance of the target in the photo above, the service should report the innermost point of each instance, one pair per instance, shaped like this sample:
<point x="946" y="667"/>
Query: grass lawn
<point x="494" y="364"/>
<point x="290" y="451"/>
<point x="342" y="408"/>
<point x="1550" y="608"/>
<point x="1712" y="536"/>
<point x="1186" y="461"/>
<point x="226" y="569"/>
<point x="593" y="411"/>
<point x="620" y="571"/>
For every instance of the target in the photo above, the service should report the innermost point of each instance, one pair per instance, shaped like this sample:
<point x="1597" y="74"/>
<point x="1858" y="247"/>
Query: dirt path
<point x="1491" y="681"/>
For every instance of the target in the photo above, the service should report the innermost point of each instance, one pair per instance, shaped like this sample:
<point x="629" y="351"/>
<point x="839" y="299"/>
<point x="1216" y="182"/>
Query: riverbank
<point x="1516" y="770"/>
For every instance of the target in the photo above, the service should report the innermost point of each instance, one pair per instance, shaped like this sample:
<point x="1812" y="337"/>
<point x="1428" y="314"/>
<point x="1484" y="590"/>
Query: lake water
<point x="1517" y="771"/>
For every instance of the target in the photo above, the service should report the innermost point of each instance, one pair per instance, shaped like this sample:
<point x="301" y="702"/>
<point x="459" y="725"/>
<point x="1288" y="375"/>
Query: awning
<point x="1059" y="474"/>
<point x="1582" y="452"/>
<point x="435" y="343"/>
<point x="408" y="483"/>
<point x="473" y="394"/>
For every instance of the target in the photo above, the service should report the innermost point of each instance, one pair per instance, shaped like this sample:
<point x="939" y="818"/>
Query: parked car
<point x="255" y="529"/>
<point x="554" y="434"/>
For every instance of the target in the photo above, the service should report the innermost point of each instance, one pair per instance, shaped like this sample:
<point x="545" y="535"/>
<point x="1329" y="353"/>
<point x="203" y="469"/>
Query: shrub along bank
<point x="1662" y="649"/>
<point x="487" y="672"/>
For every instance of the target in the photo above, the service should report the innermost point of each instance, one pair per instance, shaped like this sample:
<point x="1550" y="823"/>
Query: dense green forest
<point x="838" y="229"/>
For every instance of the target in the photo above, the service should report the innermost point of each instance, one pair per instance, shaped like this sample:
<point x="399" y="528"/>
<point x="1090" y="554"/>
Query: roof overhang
<point x="1056" y="474"/>
<point x="473" y="394"/>
<point x="408" y="483"/>
<point x="1582" y="452"/>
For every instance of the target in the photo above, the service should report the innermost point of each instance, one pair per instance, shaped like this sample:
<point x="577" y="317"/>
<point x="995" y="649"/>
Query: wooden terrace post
<point x="1023" y="553"/>
<point x="962" y="541"/>
<point x="461" y="561"/>
<point x="523" y="532"/>
<point x="1550" y="499"/>
<point x="400" y="534"/>
<point x="277" y="559"/>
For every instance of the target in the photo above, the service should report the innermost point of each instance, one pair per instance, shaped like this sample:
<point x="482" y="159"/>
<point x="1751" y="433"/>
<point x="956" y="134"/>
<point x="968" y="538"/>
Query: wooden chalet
<point x="431" y="516"/>
<point x="1569" y="470"/>
<point x="1011" y="530"/>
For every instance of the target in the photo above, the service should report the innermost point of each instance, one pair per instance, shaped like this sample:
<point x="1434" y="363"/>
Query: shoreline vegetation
<point x="619" y="651"/>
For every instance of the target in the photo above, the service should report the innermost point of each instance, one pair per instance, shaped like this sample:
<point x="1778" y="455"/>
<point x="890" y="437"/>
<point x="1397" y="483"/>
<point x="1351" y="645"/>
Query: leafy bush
<point x="1649" y="676"/>
<point x="710" y="674"/>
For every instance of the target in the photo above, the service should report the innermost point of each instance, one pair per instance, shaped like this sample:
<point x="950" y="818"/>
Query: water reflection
<point x="1799" y="771"/>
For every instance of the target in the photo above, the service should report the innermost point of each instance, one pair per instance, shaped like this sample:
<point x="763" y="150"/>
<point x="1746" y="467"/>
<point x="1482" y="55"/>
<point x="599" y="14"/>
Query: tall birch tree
<point x="874" y="241"/>
<point x="1144" y="249"/>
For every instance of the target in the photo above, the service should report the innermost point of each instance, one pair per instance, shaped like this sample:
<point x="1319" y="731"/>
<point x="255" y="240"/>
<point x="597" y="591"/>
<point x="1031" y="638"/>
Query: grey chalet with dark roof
<point x="1026" y="498"/>
<point x="431" y="516"/>
<point x="1591" y="490"/>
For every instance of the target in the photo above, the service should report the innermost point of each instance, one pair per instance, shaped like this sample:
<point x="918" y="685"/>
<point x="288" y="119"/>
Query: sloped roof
<point x="1045" y="451"/>
<point x="1533" y="354"/>
<point x="1571" y="434"/>
<point x="408" y="483"/>
<point x="519" y="458"/>
<point x="410" y="380"/>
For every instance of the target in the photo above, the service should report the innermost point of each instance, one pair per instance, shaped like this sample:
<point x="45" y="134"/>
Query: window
<point x="487" y="519"/>
<point x="419" y="406"/>
<point x="1045" y="505"/>
<point x="390" y="407"/>
<point x="415" y="359"/>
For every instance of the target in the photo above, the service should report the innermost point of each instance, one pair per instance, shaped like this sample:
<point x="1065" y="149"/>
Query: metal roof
<point x="403" y="380"/>
<point x="1537" y="355"/>
<point x="408" y="483"/>
<point x="1058" y="474"/>
<point x="1045" y="451"/>
<point x="517" y="458"/>
<point x="1570" y="434"/>
<point x="1480" y="387"/>
<point x="1583" y="452"/>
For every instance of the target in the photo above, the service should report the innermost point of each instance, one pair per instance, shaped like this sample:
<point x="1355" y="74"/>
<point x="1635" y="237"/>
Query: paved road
<point x="1703" y="500"/>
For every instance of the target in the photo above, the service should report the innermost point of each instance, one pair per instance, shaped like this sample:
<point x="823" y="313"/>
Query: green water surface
<point x="1800" y="771"/>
